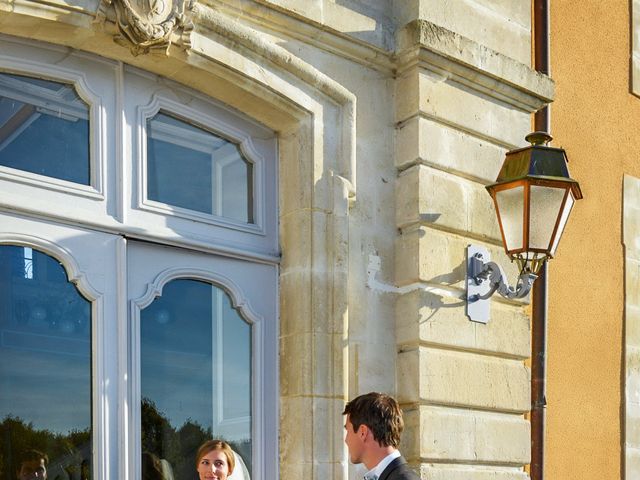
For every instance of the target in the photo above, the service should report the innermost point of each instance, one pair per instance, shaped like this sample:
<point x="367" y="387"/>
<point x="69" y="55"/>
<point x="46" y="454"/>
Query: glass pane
<point x="44" y="128"/>
<point x="192" y="168"/>
<point x="545" y="203"/>
<point x="510" y="204"/>
<point x="563" y="222"/>
<point x="195" y="353"/>
<point x="45" y="369"/>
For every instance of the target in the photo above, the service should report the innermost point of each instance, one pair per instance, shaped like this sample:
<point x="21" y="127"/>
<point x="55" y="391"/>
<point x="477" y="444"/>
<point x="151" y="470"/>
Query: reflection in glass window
<point x="44" y="128"/>
<point x="195" y="362"/>
<point x="45" y="369"/>
<point x="191" y="168"/>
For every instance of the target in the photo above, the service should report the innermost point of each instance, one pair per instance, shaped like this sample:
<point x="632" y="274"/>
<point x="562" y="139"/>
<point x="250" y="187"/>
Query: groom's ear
<point x="364" y="431"/>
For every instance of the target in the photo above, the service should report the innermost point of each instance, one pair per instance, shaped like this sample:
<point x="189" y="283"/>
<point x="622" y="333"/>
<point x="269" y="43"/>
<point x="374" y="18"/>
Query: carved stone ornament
<point x="148" y="25"/>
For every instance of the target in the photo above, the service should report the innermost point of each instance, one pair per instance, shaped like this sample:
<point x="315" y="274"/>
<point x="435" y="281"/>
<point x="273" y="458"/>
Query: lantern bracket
<point x="484" y="278"/>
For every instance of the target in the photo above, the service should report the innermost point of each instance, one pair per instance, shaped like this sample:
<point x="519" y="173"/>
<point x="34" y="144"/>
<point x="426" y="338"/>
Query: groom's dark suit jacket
<point x="398" y="470"/>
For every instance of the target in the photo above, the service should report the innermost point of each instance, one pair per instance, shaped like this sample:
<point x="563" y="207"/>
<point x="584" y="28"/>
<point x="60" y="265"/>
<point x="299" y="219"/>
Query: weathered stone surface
<point x="632" y="379"/>
<point x="424" y="140"/>
<point x="632" y="321"/>
<point x="471" y="472"/>
<point x="518" y="12"/>
<point x="631" y="217"/>
<point x="440" y="435"/>
<point x="439" y="257"/>
<point x="298" y="381"/>
<point x="631" y="234"/>
<point x="372" y="25"/>
<point x="472" y="64"/>
<point x="459" y="106"/>
<point x="463" y="379"/>
<point x="632" y="279"/>
<point x="297" y="443"/>
<point x="433" y="319"/>
<point x="632" y="463"/>
<point x="632" y="424"/>
<point x="484" y="21"/>
<point x="429" y="196"/>
<point x="501" y="27"/>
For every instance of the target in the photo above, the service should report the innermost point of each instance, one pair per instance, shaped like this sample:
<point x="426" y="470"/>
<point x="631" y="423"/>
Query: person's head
<point x="215" y="460"/>
<point x="33" y="465"/>
<point x="374" y="421"/>
<point x="151" y="467"/>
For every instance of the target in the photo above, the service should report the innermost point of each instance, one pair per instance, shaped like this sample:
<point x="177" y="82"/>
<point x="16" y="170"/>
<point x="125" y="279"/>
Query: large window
<point x="45" y="369"/>
<point x="149" y="325"/>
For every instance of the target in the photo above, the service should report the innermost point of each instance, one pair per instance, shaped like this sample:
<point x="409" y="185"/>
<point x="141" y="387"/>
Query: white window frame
<point x="145" y="94"/>
<point x="20" y="232"/>
<point x="259" y="357"/>
<point x="96" y="188"/>
<point x="216" y="127"/>
<point x="110" y="206"/>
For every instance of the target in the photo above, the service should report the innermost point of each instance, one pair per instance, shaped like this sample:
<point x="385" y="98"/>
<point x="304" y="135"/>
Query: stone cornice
<point x="306" y="30"/>
<point x="419" y="43"/>
<point x="424" y="44"/>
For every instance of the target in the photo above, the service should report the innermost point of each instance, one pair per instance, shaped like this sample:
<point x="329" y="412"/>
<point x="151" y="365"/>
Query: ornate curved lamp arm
<point x="493" y="272"/>
<point x="480" y="271"/>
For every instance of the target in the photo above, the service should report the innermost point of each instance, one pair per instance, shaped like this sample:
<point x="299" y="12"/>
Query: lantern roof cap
<point x="538" y="163"/>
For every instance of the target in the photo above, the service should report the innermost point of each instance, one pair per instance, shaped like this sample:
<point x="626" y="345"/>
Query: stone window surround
<point x="631" y="402"/>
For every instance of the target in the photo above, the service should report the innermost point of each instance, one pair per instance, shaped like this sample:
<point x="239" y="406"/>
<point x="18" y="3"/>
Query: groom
<point x="373" y="427"/>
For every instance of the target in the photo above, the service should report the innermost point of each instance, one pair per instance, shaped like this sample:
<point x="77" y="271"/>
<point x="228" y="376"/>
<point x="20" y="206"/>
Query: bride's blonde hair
<point x="221" y="445"/>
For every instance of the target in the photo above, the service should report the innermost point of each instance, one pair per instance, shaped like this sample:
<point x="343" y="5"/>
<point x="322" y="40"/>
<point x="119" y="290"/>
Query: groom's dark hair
<point x="380" y="413"/>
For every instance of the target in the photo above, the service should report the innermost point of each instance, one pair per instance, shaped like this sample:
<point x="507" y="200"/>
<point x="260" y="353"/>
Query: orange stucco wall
<point x="596" y="119"/>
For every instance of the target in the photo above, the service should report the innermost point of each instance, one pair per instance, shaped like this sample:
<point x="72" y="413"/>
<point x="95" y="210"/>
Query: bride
<point x="216" y="460"/>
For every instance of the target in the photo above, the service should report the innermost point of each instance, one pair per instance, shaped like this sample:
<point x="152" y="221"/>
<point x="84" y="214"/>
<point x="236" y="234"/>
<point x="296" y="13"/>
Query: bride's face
<point x="213" y="466"/>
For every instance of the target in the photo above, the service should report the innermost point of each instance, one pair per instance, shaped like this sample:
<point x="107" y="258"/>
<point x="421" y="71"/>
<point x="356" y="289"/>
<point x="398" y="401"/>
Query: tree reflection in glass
<point x="45" y="367"/>
<point x="195" y="352"/>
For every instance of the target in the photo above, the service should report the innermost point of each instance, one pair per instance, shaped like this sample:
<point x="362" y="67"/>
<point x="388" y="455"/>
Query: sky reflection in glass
<point x="44" y="128"/>
<point x="45" y="362"/>
<point x="191" y="168"/>
<point x="195" y="367"/>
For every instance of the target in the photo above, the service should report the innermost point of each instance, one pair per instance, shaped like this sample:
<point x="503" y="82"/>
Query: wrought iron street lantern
<point x="533" y="196"/>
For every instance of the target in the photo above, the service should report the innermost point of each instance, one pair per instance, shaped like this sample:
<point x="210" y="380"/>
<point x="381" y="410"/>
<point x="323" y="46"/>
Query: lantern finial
<point x="538" y="138"/>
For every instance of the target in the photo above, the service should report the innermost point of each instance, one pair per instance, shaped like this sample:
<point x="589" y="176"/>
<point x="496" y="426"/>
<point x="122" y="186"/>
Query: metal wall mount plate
<point x="478" y="309"/>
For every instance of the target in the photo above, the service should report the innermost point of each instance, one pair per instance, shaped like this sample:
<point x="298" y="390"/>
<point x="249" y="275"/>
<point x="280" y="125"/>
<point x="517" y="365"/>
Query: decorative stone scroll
<point x="149" y="25"/>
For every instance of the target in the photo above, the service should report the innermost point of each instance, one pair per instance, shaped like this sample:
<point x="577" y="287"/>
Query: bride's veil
<point x="240" y="471"/>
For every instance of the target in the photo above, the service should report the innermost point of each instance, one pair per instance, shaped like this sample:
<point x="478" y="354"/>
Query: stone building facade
<point x="372" y="128"/>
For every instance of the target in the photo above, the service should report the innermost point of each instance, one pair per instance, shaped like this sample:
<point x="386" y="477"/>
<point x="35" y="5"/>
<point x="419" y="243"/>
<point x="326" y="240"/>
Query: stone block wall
<point x="501" y="25"/>
<point x="461" y="103"/>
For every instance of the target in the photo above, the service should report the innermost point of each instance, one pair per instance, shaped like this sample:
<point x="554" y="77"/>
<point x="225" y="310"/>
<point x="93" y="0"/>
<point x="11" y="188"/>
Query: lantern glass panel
<point x="544" y="207"/>
<point x="510" y="204"/>
<point x="566" y="211"/>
